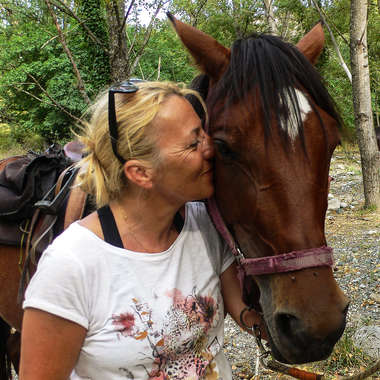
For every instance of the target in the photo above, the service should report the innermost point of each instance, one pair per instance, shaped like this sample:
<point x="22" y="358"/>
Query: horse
<point x="274" y="128"/>
<point x="13" y="243"/>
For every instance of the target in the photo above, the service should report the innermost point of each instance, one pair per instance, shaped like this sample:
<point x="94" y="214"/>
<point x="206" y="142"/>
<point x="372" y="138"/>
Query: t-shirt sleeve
<point x="59" y="287"/>
<point x="227" y="257"/>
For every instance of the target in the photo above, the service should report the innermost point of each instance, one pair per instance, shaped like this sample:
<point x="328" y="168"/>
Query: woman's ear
<point x="139" y="173"/>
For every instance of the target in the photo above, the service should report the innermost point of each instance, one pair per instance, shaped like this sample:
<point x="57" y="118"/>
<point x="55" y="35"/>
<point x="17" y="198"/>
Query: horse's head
<point x="275" y="128"/>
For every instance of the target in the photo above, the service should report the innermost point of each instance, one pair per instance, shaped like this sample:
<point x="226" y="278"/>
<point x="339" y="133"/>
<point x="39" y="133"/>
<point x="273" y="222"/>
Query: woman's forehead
<point x="177" y="119"/>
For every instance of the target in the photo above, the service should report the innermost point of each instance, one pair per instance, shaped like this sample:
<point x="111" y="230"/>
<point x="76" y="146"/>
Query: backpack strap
<point x="178" y="222"/>
<point x="110" y="231"/>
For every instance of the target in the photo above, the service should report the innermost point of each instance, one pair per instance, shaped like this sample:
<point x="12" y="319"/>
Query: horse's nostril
<point x="287" y="324"/>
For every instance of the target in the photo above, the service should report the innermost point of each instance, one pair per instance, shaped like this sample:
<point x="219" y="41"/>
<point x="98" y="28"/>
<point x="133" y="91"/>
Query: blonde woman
<point x="136" y="289"/>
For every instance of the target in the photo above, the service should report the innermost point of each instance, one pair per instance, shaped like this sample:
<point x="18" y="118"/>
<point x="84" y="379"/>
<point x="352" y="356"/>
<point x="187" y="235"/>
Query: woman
<point x="135" y="289"/>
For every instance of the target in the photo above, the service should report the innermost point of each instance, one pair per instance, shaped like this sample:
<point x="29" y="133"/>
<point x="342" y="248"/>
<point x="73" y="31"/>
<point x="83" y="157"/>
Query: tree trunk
<point x="118" y="52"/>
<point x="370" y="156"/>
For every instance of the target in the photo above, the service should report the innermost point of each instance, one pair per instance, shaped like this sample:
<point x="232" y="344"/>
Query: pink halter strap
<point x="292" y="261"/>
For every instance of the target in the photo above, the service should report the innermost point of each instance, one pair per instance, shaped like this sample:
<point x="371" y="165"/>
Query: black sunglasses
<point x="128" y="87"/>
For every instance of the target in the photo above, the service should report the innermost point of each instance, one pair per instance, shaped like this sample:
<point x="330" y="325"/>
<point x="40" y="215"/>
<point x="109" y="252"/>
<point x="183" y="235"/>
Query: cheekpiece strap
<point x="219" y="224"/>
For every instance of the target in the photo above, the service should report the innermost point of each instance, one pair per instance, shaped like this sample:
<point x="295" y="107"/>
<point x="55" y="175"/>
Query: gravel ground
<point x="355" y="237"/>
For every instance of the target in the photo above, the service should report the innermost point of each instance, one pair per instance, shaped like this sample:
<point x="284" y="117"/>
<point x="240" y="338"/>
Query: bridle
<point x="286" y="262"/>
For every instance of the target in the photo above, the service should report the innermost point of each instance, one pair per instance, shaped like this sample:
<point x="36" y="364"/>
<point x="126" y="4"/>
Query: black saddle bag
<point x="27" y="180"/>
<point x="23" y="182"/>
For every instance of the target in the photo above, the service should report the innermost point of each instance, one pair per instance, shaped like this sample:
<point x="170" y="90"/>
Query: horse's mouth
<point x="310" y="351"/>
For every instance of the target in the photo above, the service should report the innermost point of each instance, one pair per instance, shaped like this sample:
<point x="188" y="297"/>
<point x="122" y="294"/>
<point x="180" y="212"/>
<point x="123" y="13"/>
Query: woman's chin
<point x="209" y="193"/>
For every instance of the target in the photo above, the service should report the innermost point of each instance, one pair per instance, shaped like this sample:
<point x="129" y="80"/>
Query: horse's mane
<point x="276" y="69"/>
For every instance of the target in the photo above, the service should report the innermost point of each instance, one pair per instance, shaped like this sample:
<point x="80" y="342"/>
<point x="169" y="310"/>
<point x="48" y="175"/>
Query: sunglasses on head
<point x="127" y="87"/>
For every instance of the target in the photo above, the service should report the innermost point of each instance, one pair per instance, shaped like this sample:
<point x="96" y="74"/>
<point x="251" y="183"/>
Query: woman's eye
<point x="224" y="150"/>
<point x="195" y="144"/>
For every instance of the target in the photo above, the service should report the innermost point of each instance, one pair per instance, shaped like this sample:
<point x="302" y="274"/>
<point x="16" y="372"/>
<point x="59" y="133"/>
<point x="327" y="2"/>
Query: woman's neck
<point x="145" y="223"/>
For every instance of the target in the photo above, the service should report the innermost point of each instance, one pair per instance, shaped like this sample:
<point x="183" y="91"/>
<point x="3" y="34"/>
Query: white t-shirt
<point x="147" y="315"/>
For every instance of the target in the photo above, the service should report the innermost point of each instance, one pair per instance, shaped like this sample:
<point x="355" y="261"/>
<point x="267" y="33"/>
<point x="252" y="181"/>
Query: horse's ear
<point x="211" y="57"/>
<point x="312" y="43"/>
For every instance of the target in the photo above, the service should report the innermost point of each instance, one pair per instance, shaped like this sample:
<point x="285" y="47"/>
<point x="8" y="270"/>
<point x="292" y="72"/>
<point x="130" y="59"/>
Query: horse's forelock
<point x="201" y="84"/>
<point x="277" y="69"/>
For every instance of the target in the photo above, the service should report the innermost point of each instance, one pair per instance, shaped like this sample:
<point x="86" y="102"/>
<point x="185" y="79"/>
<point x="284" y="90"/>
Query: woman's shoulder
<point x="76" y="242"/>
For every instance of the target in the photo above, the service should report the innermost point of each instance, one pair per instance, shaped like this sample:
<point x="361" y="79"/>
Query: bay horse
<point x="274" y="128"/>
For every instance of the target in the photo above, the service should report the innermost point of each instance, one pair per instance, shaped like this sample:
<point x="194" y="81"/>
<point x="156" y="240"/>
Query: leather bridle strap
<point x="221" y="227"/>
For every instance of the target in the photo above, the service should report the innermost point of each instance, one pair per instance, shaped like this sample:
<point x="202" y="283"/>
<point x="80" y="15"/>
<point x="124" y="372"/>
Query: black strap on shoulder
<point x="178" y="222"/>
<point x="110" y="231"/>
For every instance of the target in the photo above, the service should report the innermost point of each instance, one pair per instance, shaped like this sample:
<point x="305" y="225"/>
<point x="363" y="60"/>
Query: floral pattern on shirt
<point x="180" y="346"/>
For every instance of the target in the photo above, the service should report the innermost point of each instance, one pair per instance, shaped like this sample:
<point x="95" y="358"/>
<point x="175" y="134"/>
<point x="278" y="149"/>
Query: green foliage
<point x="165" y="49"/>
<point x="37" y="83"/>
<point x="90" y="55"/>
<point x="31" y="52"/>
<point x="23" y="59"/>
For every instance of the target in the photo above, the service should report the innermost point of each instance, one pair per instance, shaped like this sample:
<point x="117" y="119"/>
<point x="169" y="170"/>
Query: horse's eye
<point x="224" y="150"/>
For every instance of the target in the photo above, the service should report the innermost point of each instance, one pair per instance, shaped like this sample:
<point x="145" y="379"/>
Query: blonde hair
<point x="101" y="172"/>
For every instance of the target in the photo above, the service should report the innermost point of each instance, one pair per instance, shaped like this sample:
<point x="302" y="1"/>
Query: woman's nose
<point x="207" y="147"/>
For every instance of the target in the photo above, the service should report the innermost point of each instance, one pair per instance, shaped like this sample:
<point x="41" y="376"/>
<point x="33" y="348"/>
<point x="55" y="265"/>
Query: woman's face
<point x="185" y="171"/>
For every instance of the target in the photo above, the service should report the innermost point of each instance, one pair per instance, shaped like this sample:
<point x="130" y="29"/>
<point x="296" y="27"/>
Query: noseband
<point x="287" y="262"/>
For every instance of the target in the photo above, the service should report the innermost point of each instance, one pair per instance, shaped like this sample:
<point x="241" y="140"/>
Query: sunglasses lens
<point x="125" y="87"/>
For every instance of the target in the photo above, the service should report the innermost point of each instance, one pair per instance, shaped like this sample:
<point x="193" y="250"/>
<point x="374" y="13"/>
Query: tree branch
<point x="336" y="47"/>
<point x="54" y="103"/>
<point x="268" y="8"/>
<point x="158" y="68"/>
<point x="80" y="86"/>
<point x="147" y="36"/>
<point x="336" y="29"/>
<point x="69" y="12"/>
<point x="127" y="14"/>
<point x="197" y="12"/>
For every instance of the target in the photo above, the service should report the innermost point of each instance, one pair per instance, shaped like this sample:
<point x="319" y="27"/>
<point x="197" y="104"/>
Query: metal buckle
<point x="239" y="255"/>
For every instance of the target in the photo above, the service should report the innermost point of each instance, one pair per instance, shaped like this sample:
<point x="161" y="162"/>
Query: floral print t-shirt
<point x="147" y="315"/>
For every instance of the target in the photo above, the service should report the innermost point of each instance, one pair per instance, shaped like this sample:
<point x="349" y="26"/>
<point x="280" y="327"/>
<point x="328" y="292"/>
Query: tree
<point x="370" y="156"/>
<point x="268" y="6"/>
<point x="55" y="56"/>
